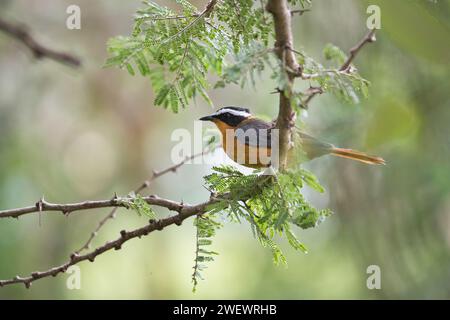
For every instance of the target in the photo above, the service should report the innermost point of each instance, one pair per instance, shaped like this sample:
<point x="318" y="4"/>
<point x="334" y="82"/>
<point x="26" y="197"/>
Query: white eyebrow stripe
<point x="233" y="112"/>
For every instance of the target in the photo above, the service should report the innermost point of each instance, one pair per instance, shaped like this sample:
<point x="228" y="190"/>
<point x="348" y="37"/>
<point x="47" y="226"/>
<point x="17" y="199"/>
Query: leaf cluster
<point x="177" y="50"/>
<point x="206" y="229"/>
<point x="271" y="204"/>
<point x="347" y="85"/>
<point x="139" y="205"/>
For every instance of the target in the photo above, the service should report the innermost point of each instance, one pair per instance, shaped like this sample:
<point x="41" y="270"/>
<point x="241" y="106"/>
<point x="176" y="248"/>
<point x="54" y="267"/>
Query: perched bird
<point x="249" y="140"/>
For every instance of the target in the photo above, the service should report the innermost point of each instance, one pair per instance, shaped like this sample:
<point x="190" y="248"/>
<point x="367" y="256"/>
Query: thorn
<point x="27" y="284"/>
<point x="151" y="221"/>
<point x="276" y="90"/>
<point x="118" y="247"/>
<point x="39" y="205"/>
<point x="179" y="221"/>
<point x="73" y="256"/>
<point x="35" y="275"/>
<point x="372" y="37"/>
<point x="146" y="183"/>
<point x="91" y="259"/>
<point x="123" y="233"/>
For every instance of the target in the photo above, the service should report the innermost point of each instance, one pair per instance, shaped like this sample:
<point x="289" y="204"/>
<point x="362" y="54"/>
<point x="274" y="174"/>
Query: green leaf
<point x="139" y="205"/>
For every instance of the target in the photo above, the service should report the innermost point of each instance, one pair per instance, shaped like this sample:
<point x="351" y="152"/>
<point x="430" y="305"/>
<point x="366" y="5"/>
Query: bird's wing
<point x="313" y="147"/>
<point x="254" y="132"/>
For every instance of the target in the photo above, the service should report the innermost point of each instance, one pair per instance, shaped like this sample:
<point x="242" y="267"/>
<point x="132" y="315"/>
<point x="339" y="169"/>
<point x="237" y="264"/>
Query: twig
<point x="20" y="33"/>
<point x="174" y="168"/>
<point x="169" y="17"/>
<point x="345" y="68"/>
<point x="299" y="11"/>
<point x="67" y="208"/>
<point x="205" y="13"/>
<point x="143" y="186"/>
<point x="311" y="93"/>
<point x="369" y="38"/>
<point x="43" y="205"/>
<point x="94" y="233"/>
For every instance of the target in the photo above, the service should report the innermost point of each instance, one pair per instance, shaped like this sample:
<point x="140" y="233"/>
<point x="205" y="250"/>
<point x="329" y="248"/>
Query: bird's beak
<point x="207" y="118"/>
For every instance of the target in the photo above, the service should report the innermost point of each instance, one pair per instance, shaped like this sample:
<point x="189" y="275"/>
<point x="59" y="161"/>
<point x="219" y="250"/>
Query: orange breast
<point x="241" y="153"/>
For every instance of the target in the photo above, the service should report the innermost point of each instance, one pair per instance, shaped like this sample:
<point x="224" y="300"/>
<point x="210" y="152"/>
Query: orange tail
<point x="357" y="155"/>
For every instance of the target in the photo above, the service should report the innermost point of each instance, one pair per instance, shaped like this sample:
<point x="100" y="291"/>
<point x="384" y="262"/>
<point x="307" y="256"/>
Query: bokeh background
<point x="76" y="134"/>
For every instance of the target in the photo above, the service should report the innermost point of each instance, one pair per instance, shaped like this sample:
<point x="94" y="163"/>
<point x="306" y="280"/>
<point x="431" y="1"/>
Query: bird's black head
<point x="229" y="115"/>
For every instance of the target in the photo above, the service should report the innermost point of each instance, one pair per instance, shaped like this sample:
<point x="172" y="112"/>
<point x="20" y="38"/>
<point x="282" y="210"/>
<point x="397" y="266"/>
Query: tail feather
<point x="357" y="155"/>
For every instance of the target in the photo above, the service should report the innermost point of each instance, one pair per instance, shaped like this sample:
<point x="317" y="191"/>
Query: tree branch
<point x="21" y="33"/>
<point x="146" y="184"/>
<point x="43" y="205"/>
<point x="184" y="211"/>
<point x="368" y="38"/>
<point x="284" y="43"/>
<point x="67" y="208"/>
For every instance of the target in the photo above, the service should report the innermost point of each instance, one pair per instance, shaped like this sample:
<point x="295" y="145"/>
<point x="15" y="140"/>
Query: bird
<point x="248" y="140"/>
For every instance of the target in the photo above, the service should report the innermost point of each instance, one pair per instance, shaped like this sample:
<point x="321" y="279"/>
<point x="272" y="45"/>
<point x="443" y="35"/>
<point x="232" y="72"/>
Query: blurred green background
<point x="76" y="134"/>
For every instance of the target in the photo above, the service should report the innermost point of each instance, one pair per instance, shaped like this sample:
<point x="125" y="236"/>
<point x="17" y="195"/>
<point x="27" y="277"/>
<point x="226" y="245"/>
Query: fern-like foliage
<point x="206" y="227"/>
<point x="271" y="204"/>
<point x="177" y="50"/>
<point x="139" y="205"/>
<point x="346" y="85"/>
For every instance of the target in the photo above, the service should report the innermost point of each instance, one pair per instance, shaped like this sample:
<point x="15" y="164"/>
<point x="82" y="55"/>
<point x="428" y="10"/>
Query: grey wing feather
<point x="254" y="132"/>
<point x="313" y="147"/>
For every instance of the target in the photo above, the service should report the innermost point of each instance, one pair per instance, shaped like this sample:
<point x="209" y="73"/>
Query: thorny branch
<point x="67" y="208"/>
<point x="184" y="211"/>
<point x="345" y="68"/>
<point x="43" y="205"/>
<point x="368" y="38"/>
<point x="21" y="33"/>
<point x="142" y="187"/>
